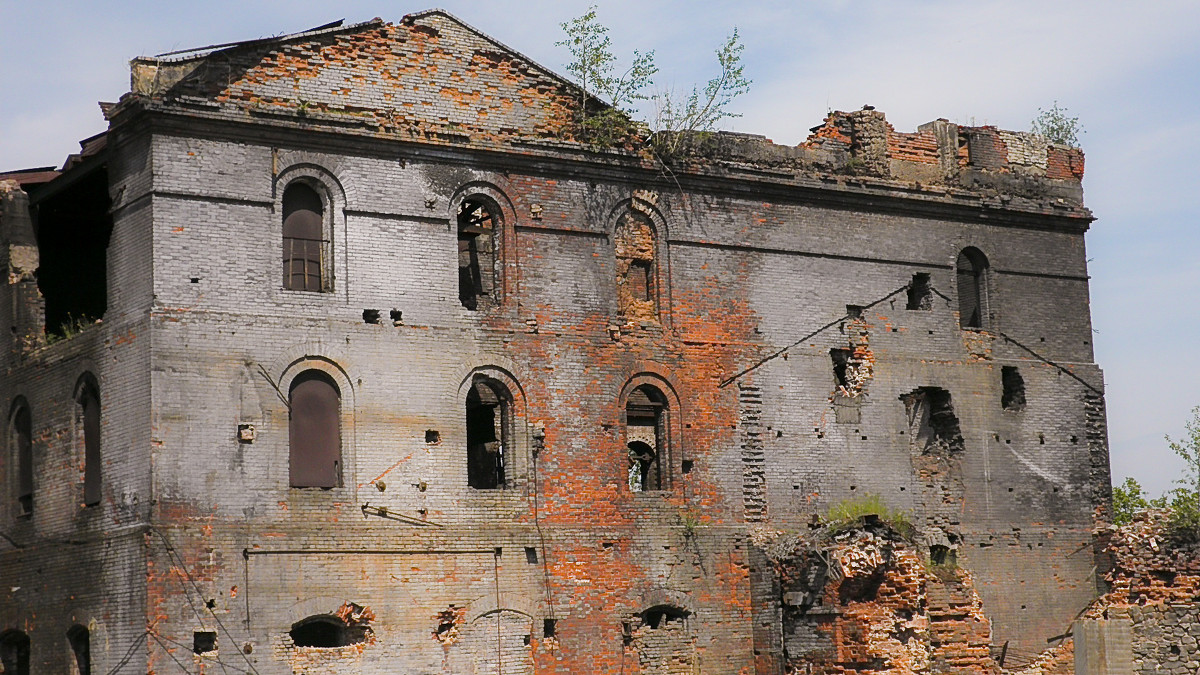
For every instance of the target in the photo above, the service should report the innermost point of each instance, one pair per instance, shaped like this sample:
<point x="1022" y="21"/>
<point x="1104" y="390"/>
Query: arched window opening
<point x="87" y="401"/>
<point x="81" y="646"/>
<point x="489" y="433"/>
<point x="646" y="438"/>
<point x="328" y="631"/>
<point x="477" y="224"/>
<point x="21" y="439"/>
<point x="637" y="263"/>
<point x="304" y="240"/>
<point x="14" y="652"/>
<point x="972" y="268"/>
<point x="663" y="615"/>
<point x="314" y="431"/>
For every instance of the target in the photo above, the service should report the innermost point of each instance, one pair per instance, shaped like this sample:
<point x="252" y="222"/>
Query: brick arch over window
<point x="483" y="218"/>
<point x="971" y="270"/>
<point x="308" y="201"/>
<point x="495" y="437"/>
<point x="20" y="443"/>
<point x="88" y="436"/>
<point x="314" y="431"/>
<point x="640" y="251"/>
<point x="652" y="440"/>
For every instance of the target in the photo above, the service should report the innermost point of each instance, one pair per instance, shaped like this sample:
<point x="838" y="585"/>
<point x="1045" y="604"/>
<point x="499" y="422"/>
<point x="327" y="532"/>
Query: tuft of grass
<point x="74" y="325"/>
<point x="853" y="513"/>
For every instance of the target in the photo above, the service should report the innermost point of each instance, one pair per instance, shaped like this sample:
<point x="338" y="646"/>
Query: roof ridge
<point x="202" y="52"/>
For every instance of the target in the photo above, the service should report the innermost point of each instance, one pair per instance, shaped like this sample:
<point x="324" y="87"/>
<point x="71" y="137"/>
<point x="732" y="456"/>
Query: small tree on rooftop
<point x="594" y="65"/>
<point x="608" y="101"/>
<point x="1057" y="126"/>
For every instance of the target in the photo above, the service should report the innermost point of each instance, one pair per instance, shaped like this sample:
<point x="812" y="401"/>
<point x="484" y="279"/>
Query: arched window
<point x="972" y="268"/>
<point x="314" y="431"/>
<point x="477" y="248"/>
<point x="87" y="416"/>
<point x="326" y="630"/>
<point x="637" y="267"/>
<point x="81" y="646"/>
<point x="489" y="433"/>
<point x="14" y="652"/>
<point x="646" y="436"/>
<point x="304" y="240"/>
<point x="20" y="434"/>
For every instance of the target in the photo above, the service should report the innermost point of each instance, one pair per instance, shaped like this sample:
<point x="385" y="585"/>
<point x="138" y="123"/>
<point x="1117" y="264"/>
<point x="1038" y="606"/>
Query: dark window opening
<point x="943" y="555"/>
<point x="489" y="413"/>
<point x="371" y="316"/>
<point x="327" y="631"/>
<point x="81" y="646"/>
<point x="661" y="616"/>
<point x="476" y="254"/>
<point x="14" y="652"/>
<point x="854" y="312"/>
<point x="841" y="359"/>
<point x="314" y="431"/>
<point x="73" y="227"/>
<point x="920" y="293"/>
<point x="646" y="438"/>
<point x="549" y="627"/>
<point x="933" y="426"/>
<point x="1013" y="396"/>
<point x="21" y="433"/>
<point x="204" y="641"/>
<point x="972" y="289"/>
<point x="88" y="409"/>
<point x="304" y="241"/>
<point x="531" y="555"/>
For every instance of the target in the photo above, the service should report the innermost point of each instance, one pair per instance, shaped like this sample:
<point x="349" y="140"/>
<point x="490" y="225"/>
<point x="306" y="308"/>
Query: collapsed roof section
<point x="433" y="79"/>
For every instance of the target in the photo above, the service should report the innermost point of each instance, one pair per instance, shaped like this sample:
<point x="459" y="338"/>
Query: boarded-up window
<point x="646" y="438"/>
<point x="489" y="436"/>
<point x="637" y="252"/>
<point x="972" y="289"/>
<point x="88" y="410"/>
<point x="314" y="431"/>
<point x="81" y="646"/>
<point x="14" y="652"/>
<point x="304" y="239"/>
<point x="476" y="254"/>
<point x="21" y="435"/>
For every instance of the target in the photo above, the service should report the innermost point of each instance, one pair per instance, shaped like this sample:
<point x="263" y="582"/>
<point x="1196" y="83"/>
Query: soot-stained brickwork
<point x="340" y="352"/>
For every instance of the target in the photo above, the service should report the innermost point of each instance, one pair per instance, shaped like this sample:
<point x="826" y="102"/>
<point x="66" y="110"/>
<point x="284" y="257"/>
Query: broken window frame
<point x="920" y="293"/>
<point x="320" y="246"/>
<point x="479" y="225"/>
<point x="662" y="406"/>
<point x="20" y="442"/>
<point x="344" y="634"/>
<point x="300" y="476"/>
<point x="971" y="271"/>
<point x="89" y="437"/>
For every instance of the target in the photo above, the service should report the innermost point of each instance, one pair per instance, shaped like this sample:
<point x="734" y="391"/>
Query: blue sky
<point x="1130" y="71"/>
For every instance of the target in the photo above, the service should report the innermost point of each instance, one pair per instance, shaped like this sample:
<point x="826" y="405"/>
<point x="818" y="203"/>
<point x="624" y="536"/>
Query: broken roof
<point x="429" y="73"/>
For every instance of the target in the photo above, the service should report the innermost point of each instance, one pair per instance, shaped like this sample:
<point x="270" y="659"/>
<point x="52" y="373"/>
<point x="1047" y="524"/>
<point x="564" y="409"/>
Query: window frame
<point x="22" y="458"/>
<point x="981" y="275"/>
<point x="89" y="443"/>
<point x="671" y="454"/>
<point x="300" y="379"/>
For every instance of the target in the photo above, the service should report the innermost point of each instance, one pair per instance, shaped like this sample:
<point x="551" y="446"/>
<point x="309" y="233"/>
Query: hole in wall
<point x="433" y="436"/>
<point x="1013" y="396"/>
<point x="371" y="316"/>
<point x="920" y="293"/>
<point x="204" y="641"/>
<point x="549" y="627"/>
<point x="531" y="555"/>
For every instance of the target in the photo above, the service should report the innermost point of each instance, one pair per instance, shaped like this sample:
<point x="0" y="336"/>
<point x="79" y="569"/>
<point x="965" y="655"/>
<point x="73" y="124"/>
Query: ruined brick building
<point x="339" y="352"/>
